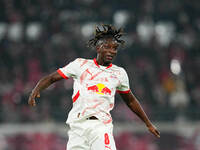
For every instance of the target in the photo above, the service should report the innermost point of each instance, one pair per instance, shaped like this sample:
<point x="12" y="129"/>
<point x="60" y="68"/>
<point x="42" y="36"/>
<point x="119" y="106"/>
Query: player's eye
<point x="110" y="47"/>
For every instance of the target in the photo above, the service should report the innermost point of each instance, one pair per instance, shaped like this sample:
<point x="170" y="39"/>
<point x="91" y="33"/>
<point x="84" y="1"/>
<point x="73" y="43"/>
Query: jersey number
<point x="107" y="141"/>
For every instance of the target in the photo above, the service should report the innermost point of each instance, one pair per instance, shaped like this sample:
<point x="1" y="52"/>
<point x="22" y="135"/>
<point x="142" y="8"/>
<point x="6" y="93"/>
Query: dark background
<point x="161" y="57"/>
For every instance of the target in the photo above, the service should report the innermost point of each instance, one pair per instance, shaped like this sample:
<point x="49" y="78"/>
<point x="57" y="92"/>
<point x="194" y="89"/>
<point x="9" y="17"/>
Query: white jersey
<point x="94" y="88"/>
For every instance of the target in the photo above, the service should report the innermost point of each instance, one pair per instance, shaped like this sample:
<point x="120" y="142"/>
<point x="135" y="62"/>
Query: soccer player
<point x="95" y="83"/>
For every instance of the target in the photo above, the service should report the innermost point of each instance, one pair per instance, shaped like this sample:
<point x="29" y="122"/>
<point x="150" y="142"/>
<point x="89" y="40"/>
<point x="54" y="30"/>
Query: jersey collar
<point x="95" y="61"/>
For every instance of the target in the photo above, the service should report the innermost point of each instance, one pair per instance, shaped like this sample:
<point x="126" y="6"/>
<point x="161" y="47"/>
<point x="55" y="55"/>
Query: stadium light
<point x="15" y="31"/>
<point x="120" y="18"/>
<point x="33" y="31"/>
<point x="87" y="29"/>
<point x="164" y="32"/>
<point x="145" y="30"/>
<point x="175" y="66"/>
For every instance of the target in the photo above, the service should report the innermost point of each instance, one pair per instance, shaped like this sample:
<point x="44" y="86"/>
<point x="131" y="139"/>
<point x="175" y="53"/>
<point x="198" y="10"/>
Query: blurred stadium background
<point x="161" y="56"/>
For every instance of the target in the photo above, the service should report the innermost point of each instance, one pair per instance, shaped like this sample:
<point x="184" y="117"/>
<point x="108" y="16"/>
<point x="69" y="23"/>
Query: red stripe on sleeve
<point x="76" y="97"/>
<point x="124" y="92"/>
<point x="62" y="74"/>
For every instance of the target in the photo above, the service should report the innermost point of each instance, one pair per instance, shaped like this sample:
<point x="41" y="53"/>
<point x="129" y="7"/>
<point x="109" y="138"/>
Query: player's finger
<point x="157" y="133"/>
<point x="38" y="95"/>
<point x="34" y="104"/>
<point x="31" y="102"/>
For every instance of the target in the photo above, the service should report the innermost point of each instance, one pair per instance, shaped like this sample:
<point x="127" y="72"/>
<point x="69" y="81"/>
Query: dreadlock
<point x="108" y="31"/>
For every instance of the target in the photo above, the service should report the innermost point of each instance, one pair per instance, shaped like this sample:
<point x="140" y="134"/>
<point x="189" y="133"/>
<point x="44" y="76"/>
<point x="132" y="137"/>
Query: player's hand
<point x="31" y="99"/>
<point x="154" y="131"/>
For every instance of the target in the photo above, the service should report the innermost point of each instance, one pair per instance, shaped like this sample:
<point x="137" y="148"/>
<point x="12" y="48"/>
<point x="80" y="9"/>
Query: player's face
<point x="107" y="51"/>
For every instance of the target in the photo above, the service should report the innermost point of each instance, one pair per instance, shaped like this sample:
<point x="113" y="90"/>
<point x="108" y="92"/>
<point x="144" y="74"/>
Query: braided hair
<point x="108" y="31"/>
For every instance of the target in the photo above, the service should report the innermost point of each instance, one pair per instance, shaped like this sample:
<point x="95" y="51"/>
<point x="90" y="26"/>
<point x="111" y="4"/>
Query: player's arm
<point x="43" y="84"/>
<point x="135" y="106"/>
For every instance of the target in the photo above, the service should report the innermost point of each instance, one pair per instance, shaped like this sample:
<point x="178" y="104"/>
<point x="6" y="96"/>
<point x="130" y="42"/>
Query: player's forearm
<point x="47" y="81"/>
<point x="42" y="84"/>
<point x="135" y="106"/>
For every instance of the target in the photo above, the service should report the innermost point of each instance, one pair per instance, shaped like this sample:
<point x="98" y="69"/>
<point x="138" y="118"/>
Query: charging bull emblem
<point x="100" y="89"/>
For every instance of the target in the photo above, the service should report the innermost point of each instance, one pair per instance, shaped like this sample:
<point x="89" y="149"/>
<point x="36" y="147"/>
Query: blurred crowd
<point x="161" y="54"/>
<point x="124" y="141"/>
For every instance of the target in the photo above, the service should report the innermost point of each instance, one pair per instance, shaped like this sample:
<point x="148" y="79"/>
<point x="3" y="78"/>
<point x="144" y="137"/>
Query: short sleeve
<point x="70" y="70"/>
<point x="124" y="86"/>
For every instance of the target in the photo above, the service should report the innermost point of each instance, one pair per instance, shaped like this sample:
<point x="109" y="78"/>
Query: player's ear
<point x="98" y="47"/>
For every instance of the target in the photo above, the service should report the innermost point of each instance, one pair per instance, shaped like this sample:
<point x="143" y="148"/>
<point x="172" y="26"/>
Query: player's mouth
<point x="110" y="58"/>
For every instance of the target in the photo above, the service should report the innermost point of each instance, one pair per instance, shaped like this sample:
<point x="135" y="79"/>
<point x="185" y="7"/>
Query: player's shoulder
<point x="118" y="68"/>
<point x="83" y="61"/>
<point x="79" y="59"/>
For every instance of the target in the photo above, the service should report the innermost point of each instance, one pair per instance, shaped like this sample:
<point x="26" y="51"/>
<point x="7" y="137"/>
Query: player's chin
<point x="109" y="59"/>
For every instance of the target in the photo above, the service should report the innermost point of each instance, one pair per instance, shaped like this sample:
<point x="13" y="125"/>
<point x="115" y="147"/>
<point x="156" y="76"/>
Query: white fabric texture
<point x="94" y="88"/>
<point x="91" y="135"/>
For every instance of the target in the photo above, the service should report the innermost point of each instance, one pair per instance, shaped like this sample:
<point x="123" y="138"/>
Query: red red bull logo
<point x="100" y="89"/>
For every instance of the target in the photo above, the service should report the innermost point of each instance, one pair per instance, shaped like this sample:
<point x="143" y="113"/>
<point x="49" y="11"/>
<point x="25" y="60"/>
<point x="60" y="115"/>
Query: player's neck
<point x="101" y="62"/>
